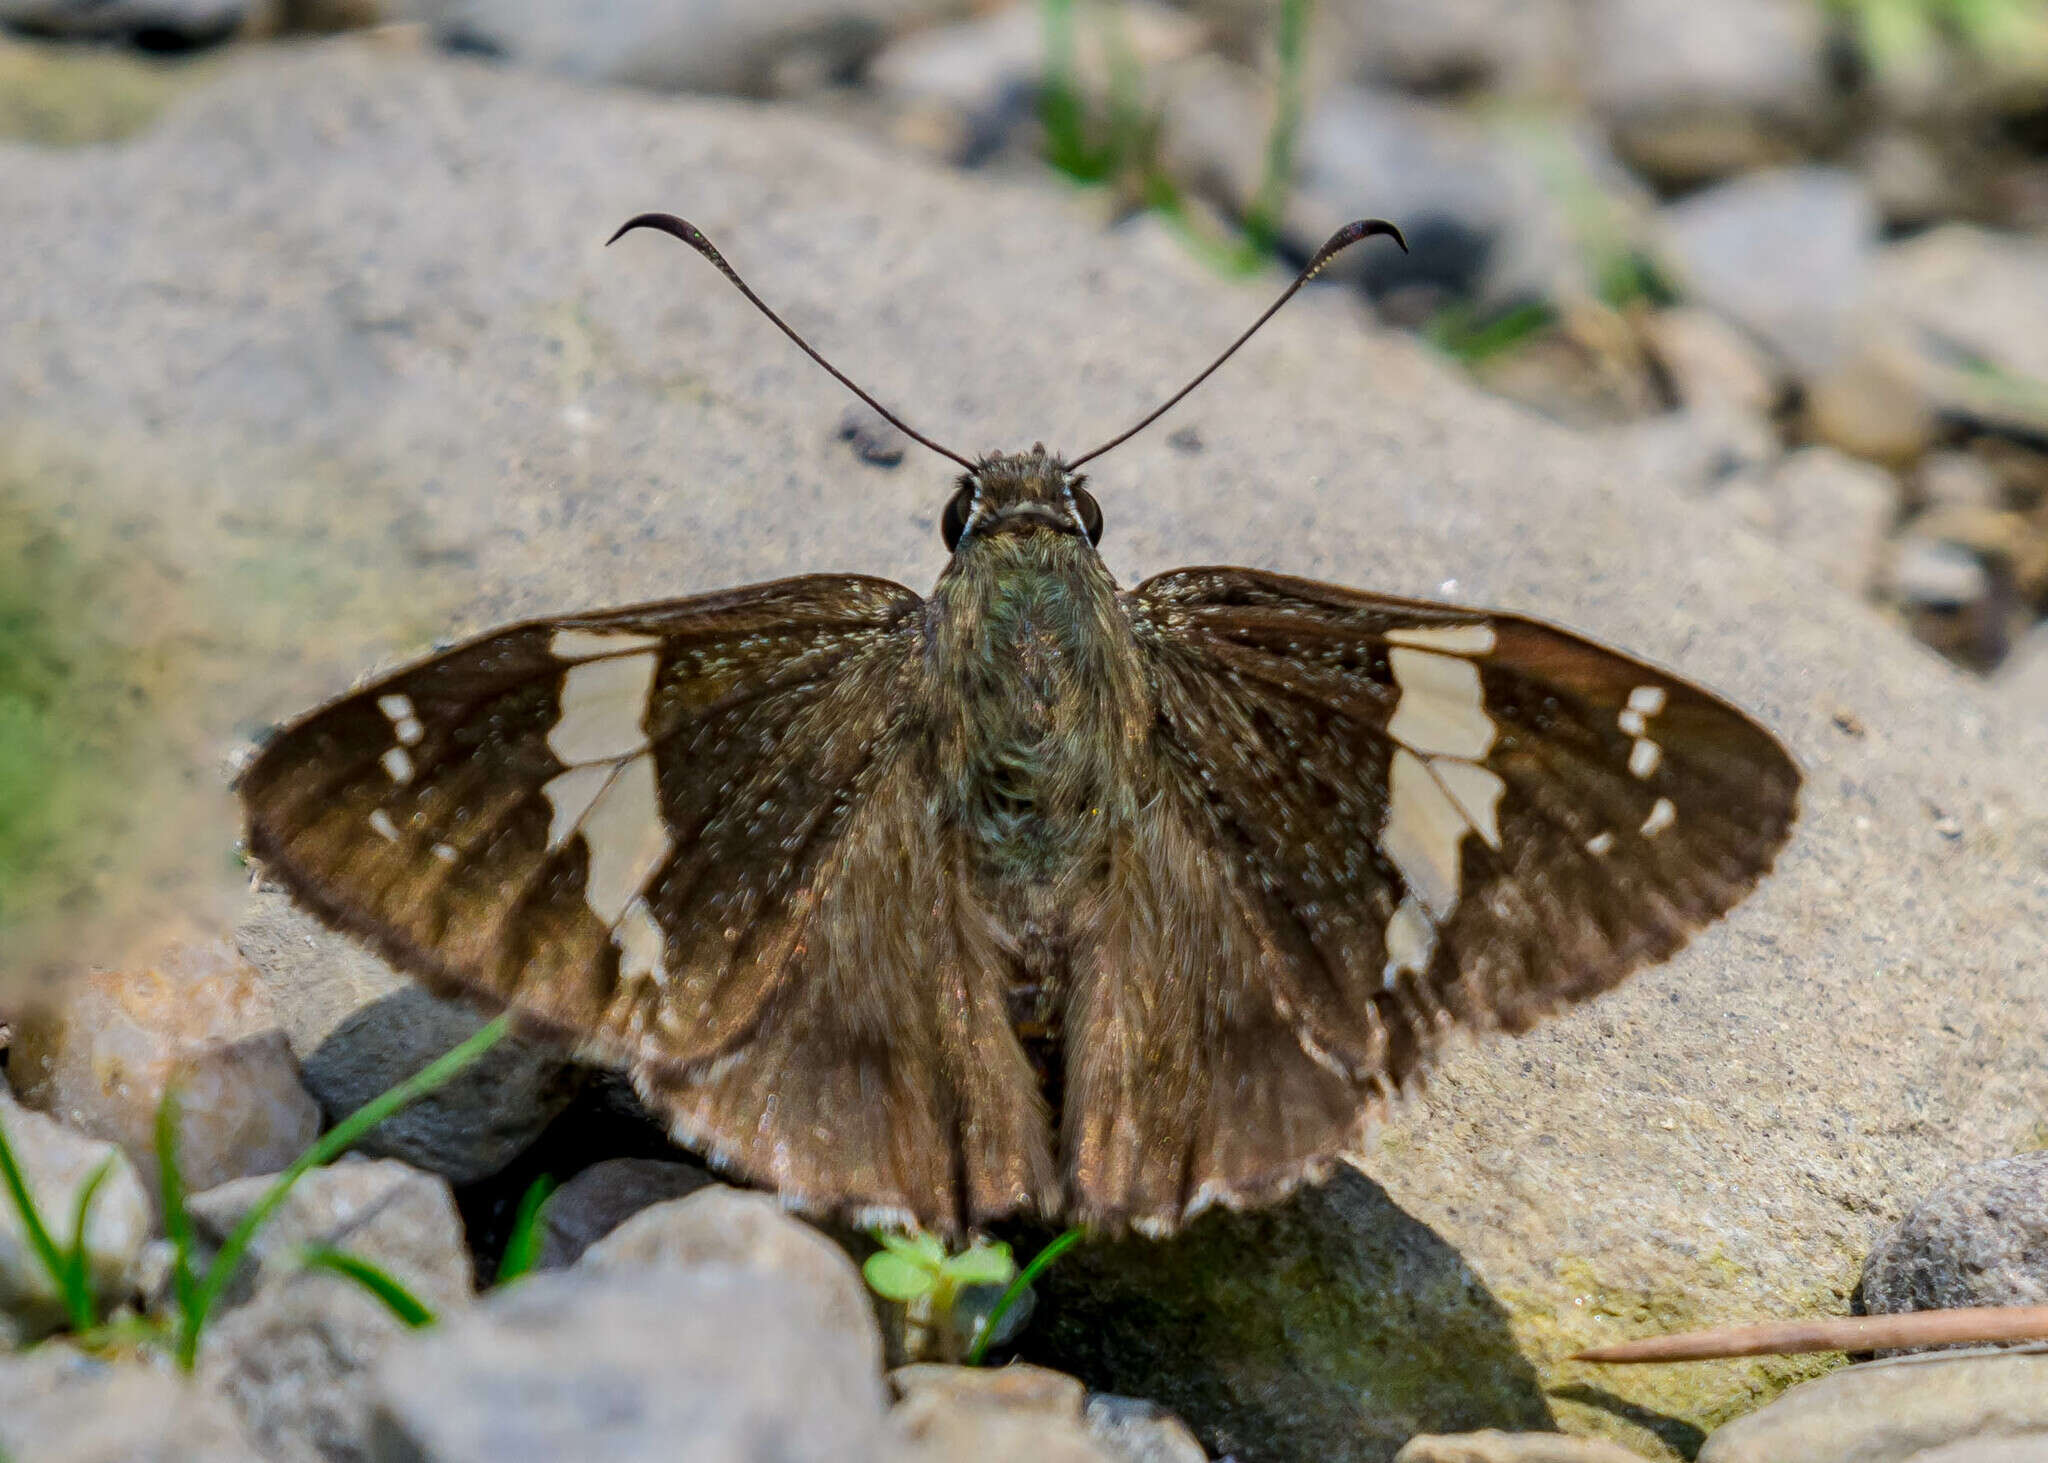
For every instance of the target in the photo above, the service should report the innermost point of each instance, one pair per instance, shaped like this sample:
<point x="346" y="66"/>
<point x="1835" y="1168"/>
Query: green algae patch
<point x="1666" y="1409"/>
<point x="71" y="95"/>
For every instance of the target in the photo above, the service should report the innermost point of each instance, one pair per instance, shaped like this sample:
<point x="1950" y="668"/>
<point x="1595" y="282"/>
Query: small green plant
<point x="916" y="1272"/>
<point x="69" y="1267"/>
<point x="522" y="1245"/>
<point x="374" y="1278"/>
<point x="1894" y="34"/>
<point x="194" y="1294"/>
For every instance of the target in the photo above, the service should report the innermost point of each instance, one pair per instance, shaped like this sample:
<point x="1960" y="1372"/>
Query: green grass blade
<point x="380" y="1282"/>
<point x="32" y="1221"/>
<point x="177" y="1217"/>
<point x="336" y="1141"/>
<point x="1014" y="1292"/>
<point x="522" y="1245"/>
<point x="78" y="1296"/>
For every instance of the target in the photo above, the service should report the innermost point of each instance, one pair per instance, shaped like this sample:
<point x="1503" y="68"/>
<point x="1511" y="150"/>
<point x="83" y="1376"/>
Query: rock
<point x="2023" y="678"/>
<point x="101" y="1055"/>
<point x="355" y="438"/>
<point x="159" y="25"/>
<point x="1527" y="47"/>
<point x="55" y="1164"/>
<point x="750" y="1232"/>
<point x="295" y="1360"/>
<point x="1973" y="289"/>
<point x="59" y="1407"/>
<point x="605" y="1195"/>
<point x="972" y="83"/>
<point x="399" y="1218"/>
<point x="1876" y="400"/>
<point x="1699" y="450"/>
<point x="1012" y="1414"/>
<point x="1494" y="1446"/>
<point x="1937" y="574"/>
<point x="708" y="45"/>
<point x="359" y="1028"/>
<point x="1132" y="1430"/>
<point x="1695" y="92"/>
<point x="1496" y="212"/>
<point x="1710" y="363"/>
<point x="1913" y="1408"/>
<point x="1952" y="599"/>
<point x="1957" y="480"/>
<point x="621" y="1365"/>
<point x="1835" y="513"/>
<point x="1980" y="1239"/>
<point x="1787" y="254"/>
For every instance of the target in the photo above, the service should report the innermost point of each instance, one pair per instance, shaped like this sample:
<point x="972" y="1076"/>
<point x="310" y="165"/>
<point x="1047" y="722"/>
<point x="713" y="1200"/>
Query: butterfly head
<point x="1022" y="492"/>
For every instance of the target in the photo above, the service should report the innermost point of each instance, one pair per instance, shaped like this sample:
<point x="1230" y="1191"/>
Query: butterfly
<point x="1038" y="894"/>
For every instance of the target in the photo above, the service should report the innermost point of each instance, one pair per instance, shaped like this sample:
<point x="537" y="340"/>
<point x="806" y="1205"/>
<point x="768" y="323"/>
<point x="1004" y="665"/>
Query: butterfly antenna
<point x="690" y="234"/>
<point x="1337" y="243"/>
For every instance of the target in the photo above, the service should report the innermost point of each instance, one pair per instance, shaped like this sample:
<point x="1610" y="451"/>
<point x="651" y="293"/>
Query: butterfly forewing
<point x="1438" y="817"/>
<point x="687" y="839"/>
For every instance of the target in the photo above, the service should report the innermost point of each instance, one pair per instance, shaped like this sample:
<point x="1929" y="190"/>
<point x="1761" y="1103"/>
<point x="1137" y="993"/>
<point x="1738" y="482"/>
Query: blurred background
<point x="1791" y="255"/>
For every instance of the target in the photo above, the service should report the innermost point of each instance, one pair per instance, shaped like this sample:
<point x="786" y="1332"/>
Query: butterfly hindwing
<point x="1404" y="817"/>
<point x="687" y="839"/>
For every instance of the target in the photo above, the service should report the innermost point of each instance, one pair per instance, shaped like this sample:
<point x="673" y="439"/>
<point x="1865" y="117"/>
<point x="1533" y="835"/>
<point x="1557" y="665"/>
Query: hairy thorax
<point x="1039" y="718"/>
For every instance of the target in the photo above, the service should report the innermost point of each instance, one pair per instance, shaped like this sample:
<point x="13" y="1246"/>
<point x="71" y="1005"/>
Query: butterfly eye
<point x="955" y="522"/>
<point x="1090" y="511"/>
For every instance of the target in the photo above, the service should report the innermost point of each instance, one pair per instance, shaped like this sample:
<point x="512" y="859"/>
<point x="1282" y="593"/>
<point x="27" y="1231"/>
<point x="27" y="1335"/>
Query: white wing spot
<point x="445" y="852"/>
<point x="603" y="706"/>
<point x="1476" y="791"/>
<point x="626" y="838"/>
<point x="409" y="731"/>
<point x="1424" y="832"/>
<point x="591" y="644"/>
<point x="386" y="829"/>
<point x="1649" y="700"/>
<point x="1411" y="941"/>
<point x="1457" y="639"/>
<point x="1644" y="756"/>
<point x="1442" y="707"/>
<point x="396" y="706"/>
<point x="643" y="950"/>
<point x="1662" y="815"/>
<point x="1632" y="721"/>
<point x="1600" y="844"/>
<point x="569" y="798"/>
<point x="398" y="765"/>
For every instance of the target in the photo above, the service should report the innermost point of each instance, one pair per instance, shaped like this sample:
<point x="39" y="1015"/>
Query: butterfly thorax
<point x="1040" y="709"/>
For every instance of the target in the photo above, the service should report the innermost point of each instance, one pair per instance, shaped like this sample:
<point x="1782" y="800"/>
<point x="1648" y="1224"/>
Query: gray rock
<point x="622" y="1366"/>
<point x="1787" y="254"/>
<point x="102" y="1053"/>
<point x="1968" y="1405"/>
<point x="1957" y="480"/>
<point x="400" y="1218"/>
<point x="180" y="22"/>
<point x="1494" y="1446"/>
<point x="1012" y="1414"/>
<point x="749" y="1232"/>
<point x="1517" y="46"/>
<point x="1974" y="291"/>
<point x="1980" y="1239"/>
<point x="55" y="1164"/>
<point x="1695" y="92"/>
<point x="1132" y="1430"/>
<point x="705" y="45"/>
<point x="1835" y="513"/>
<point x="59" y="1407"/>
<point x="315" y="340"/>
<point x="294" y="1358"/>
<point x="2023" y="678"/>
<point x="1938" y="574"/>
<point x="1699" y="450"/>
<point x="359" y="1028"/>
<point x="1710" y="364"/>
<point x="605" y="1195"/>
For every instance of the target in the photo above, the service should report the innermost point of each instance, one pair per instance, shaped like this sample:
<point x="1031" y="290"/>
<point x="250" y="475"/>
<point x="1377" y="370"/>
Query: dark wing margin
<point x="1378" y="820"/>
<point x="690" y="840"/>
